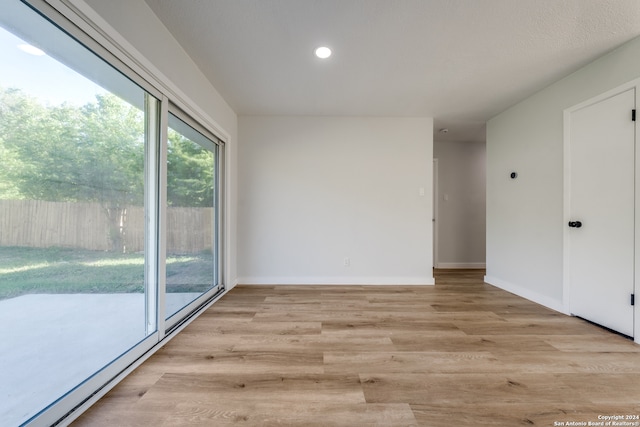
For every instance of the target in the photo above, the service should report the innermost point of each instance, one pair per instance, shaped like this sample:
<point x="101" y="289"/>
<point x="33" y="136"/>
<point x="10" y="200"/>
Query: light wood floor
<point x="461" y="353"/>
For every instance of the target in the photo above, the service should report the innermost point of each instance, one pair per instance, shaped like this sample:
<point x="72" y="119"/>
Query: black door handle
<point x="575" y="224"/>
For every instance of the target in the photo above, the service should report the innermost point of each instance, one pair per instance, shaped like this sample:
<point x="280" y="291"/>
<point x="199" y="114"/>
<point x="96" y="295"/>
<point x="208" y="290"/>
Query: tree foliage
<point x="189" y="173"/>
<point x="91" y="153"/>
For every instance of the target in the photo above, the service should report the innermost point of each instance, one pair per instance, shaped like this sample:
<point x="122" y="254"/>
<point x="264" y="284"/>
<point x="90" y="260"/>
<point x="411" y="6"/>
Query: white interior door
<point x="601" y="260"/>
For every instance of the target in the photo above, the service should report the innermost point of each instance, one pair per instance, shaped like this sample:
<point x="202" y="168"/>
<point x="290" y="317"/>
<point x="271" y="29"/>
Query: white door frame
<point x="566" y="288"/>
<point x="435" y="218"/>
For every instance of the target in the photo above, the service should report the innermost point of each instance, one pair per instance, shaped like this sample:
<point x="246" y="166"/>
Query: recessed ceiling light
<point x="323" y="52"/>
<point x="31" y="50"/>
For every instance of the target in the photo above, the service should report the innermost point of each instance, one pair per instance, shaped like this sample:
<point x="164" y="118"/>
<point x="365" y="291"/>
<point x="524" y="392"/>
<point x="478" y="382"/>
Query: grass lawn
<point x="65" y="270"/>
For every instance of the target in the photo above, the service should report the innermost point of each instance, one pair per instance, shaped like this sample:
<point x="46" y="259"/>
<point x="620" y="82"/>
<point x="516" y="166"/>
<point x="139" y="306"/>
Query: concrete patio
<point x="53" y="342"/>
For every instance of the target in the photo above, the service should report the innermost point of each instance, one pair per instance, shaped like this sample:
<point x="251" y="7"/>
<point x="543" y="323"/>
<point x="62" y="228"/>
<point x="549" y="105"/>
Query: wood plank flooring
<point x="461" y="353"/>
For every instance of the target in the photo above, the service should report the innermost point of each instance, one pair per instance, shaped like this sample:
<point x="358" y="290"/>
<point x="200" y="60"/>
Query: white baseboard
<point x="474" y="265"/>
<point x="527" y="294"/>
<point x="235" y="283"/>
<point x="417" y="281"/>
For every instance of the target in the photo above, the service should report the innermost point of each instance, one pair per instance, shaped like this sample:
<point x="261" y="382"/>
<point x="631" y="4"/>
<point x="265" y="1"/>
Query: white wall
<point x="461" y="204"/>
<point x="525" y="216"/>
<point x="314" y="190"/>
<point x="136" y="27"/>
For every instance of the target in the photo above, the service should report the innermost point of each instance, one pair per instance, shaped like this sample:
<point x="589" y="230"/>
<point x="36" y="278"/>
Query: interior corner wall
<point x="461" y="216"/>
<point x="525" y="217"/>
<point x="317" y="193"/>
<point x="136" y="23"/>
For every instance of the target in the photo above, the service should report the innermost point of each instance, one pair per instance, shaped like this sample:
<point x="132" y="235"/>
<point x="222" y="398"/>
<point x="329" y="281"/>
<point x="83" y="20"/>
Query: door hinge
<point x="633" y="299"/>
<point x="633" y="115"/>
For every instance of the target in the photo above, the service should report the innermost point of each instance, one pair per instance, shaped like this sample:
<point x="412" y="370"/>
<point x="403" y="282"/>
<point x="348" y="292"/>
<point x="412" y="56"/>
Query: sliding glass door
<point x="74" y="137"/>
<point x="192" y="218"/>
<point x="109" y="235"/>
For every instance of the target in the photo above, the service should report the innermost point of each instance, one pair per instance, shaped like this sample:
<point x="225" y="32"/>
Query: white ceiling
<point x="459" y="61"/>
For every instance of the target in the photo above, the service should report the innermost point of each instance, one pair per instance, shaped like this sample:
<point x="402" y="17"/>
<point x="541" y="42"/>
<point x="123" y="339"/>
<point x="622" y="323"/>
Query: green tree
<point x="92" y="153"/>
<point x="66" y="153"/>
<point x="21" y="119"/>
<point x="110" y="165"/>
<point x="10" y="158"/>
<point x="189" y="173"/>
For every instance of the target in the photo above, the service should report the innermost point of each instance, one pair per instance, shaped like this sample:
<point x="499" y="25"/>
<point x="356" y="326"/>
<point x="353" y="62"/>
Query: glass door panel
<point x="73" y="235"/>
<point x="191" y="222"/>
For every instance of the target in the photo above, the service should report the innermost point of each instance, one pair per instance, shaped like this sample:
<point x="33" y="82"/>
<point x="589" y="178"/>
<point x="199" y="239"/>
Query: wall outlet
<point x="347" y="261"/>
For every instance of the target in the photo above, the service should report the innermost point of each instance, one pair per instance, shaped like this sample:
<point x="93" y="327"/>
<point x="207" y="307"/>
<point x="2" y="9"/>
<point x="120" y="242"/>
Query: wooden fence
<point x="92" y="226"/>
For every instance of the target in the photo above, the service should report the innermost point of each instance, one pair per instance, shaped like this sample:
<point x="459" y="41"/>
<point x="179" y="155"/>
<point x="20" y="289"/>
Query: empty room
<point x="319" y="212"/>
